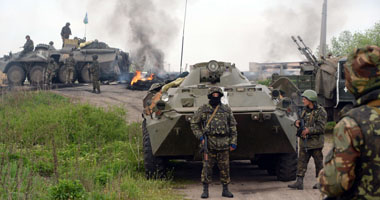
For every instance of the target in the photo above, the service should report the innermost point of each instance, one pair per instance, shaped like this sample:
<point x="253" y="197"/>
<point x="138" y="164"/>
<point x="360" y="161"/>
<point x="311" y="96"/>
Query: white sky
<point x="238" y="31"/>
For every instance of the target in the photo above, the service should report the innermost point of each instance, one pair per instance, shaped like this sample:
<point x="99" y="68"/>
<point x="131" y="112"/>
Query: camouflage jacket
<point x="28" y="46"/>
<point x="70" y="63"/>
<point x="51" y="67"/>
<point x="66" y="32"/>
<point x="221" y="132"/>
<point x="315" y="121"/>
<point x="95" y="69"/>
<point x="352" y="167"/>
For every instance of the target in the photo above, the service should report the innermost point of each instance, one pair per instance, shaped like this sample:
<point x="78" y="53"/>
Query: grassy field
<point x="51" y="148"/>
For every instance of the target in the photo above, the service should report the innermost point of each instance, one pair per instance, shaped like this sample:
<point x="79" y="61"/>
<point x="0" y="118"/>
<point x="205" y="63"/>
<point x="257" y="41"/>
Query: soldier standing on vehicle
<point x="215" y="126"/>
<point x="50" y="71"/>
<point x="65" y="32"/>
<point x="94" y="71"/>
<point x="312" y="124"/>
<point x="70" y="67"/>
<point x="352" y="167"/>
<point x="28" y="46"/>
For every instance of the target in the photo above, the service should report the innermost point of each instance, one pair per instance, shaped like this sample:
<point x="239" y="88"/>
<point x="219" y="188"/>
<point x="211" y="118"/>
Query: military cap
<point x="362" y="70"/>
<point x="213" y="90"/>
<point x="311" y="95"/>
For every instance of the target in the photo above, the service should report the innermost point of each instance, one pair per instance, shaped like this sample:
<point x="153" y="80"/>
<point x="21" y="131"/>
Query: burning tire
<point x="155" y="167"/>
<point x="16" y="75"/>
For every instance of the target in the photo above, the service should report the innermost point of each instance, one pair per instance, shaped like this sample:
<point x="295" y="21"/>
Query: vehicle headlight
<point x="165" y="97"/>
<point x="213" y="66"/>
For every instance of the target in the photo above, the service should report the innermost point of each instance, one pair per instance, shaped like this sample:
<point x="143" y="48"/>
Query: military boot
<point x="226" y="192"/>
<point x="298" y="184"/>
<point x="316" y="186"/>
<point x="93" y="91"/>
<point x="205" y="191"/>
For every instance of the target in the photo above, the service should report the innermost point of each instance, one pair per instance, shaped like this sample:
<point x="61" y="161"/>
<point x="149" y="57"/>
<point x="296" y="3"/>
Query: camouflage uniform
<point x="66" y="32"/>
<point x="28" y="47"/>
<point x="70" y="67"/>
<point x="315" y="121"/>
<point x="221" y="135"/>
<point x="95" y="70"/>
<point x="49" y="72"/>
<point x="352" y="167"/>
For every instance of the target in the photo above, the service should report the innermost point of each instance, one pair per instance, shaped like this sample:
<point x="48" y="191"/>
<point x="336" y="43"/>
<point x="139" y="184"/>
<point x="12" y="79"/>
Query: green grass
<point x="51" y="148"/>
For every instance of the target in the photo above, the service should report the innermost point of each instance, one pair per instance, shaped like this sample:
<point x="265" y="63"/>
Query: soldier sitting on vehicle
<point x="51" y="45"/>
<point x="28" y="46"/>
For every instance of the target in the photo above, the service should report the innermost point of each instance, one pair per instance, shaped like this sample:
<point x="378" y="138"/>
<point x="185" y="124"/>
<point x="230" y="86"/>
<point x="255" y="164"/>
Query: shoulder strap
<point x="212" y="116"/>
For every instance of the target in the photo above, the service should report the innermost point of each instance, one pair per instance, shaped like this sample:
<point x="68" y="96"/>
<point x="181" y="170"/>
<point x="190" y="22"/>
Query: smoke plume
<point x="146" y="28"/>
<point x="303" y="19"/>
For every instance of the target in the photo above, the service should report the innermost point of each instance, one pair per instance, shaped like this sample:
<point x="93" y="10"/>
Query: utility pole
<point x="322" y="45"/>
<point x="183" y="38"/>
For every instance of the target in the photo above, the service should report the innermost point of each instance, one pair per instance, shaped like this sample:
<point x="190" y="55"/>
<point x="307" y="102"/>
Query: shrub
<point x="67" y="190"/>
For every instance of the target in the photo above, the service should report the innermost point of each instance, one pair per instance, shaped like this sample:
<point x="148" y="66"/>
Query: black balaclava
<point x="214" y="101"/>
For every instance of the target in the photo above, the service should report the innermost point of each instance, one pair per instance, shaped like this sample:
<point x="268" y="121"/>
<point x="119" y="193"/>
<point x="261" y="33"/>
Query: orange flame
<point x="138" y="77"/>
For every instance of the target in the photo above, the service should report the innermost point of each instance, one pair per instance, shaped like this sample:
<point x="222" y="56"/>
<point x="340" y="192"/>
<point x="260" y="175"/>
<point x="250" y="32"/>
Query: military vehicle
<point x="266" y="134"/>
<point x="325" y="76"/>
<point x="112" y="61"/>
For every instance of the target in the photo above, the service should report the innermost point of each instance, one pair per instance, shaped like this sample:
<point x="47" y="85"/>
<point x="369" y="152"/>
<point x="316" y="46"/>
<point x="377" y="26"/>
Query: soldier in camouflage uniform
<point x="70" y="67"/>
<point x="352" y="167"/>
<point x="65" y="32"/>
<point x="28" y="46"/>
<point x="50" y="71"/>
<point x="312" y="137"/>
<point x="221" y="135"/>
<point x="94" y="71"/>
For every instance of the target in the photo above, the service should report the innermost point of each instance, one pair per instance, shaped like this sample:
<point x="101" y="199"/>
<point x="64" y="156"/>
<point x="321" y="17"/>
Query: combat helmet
<point x="362" y="70"/>
<point x="311" y="95"/>
<point x="213" y="90"/>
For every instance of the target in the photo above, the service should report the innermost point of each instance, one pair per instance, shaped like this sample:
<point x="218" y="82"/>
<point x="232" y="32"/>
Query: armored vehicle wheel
<point x="84" y="76"/>
<point x="37" y="74"/>
<point x="62" y="74"/>
<point x="286" y="168"/>
<point x="154" y="166"/>
<point x="16" y="75"/>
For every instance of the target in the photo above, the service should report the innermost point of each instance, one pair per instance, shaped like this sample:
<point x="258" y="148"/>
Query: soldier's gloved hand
<point x="232" y="147"/>
<point x="297" y="123"/>
<point x="305" y="132"/>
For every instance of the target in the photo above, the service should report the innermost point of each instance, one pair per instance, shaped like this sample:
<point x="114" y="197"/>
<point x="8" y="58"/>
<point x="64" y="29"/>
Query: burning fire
<point x="138" y="77"/>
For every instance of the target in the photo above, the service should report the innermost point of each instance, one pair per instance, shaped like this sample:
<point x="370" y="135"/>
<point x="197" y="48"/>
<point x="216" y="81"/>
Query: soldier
<point x="65" y="32"/>
<point x="352" y="167"/>
<point x="94" y="71"/>
<point x="51" y="45"/>
<point x="28" y="46"/>
<point x="215" y="126"/>
<point x="70" y="67"/>
<point x="313" y="119"/>
<point x="50" y="70"/>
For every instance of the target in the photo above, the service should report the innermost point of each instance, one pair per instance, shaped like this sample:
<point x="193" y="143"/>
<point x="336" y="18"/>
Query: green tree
<point x="347" y="41"/>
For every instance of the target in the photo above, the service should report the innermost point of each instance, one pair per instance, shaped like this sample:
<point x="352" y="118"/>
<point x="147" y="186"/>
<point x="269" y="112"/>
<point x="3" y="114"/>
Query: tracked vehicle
<point x="266" y="134"/>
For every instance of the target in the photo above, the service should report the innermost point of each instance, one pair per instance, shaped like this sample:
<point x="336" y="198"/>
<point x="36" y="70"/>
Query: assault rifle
<point x="306" y="51"/>
<point x="300" y="129"/>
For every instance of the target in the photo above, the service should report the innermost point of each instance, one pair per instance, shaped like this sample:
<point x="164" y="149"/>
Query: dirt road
<point x="248" y="182"/>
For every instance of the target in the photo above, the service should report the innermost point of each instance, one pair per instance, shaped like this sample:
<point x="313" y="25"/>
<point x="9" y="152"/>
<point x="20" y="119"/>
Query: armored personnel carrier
<point x="266" y="134"/>
<point x="113" y="62"/>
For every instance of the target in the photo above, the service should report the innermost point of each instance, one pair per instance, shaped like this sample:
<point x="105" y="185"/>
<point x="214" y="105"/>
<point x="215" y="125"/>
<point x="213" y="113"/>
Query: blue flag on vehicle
<point x="85" y="20"/>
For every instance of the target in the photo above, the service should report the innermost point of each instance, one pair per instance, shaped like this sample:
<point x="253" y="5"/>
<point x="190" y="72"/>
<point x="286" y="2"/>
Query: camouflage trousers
<point x="303" y="160"/>
<point x="95" y="84"/>
<point x="69" y="75"/>
<point x="48" y="77"/>
<point x="222" y="158"/>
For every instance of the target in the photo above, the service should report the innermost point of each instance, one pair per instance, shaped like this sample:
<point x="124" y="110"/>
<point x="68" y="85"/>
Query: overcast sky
<point x="238" y="31"/>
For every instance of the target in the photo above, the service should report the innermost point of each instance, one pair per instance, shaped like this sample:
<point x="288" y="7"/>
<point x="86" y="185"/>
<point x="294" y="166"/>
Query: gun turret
<point x="306" y="51"/>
